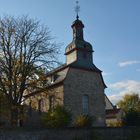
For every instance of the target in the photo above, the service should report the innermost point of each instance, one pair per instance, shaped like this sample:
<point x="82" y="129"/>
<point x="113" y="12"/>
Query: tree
<point x="131" y="118"/>
<point x="25" y="46"/>
<point x="130" y="104"/>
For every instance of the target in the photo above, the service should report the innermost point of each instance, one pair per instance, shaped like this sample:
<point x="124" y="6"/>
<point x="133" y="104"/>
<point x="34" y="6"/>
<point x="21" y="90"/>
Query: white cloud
<point x="128" y="63"/>
<point x="123" y="87"/>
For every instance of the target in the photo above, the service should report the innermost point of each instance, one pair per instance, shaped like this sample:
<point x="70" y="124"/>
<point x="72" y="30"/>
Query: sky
<point x="111" y="26"/>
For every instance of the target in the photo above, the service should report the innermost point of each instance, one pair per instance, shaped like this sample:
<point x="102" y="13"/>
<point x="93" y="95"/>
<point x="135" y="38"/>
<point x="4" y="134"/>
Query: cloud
<point x="123" y="87"/>
<point x="128" y="63"/>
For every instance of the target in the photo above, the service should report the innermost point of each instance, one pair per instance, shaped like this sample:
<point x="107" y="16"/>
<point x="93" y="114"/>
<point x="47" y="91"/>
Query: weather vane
<point x="77" y="9"/>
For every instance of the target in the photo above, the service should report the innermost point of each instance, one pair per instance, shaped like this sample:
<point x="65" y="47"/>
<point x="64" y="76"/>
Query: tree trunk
<point x="14" y="115"/>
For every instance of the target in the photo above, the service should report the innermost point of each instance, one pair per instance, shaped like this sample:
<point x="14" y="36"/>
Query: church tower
<point x="84" y="85"/>
<point x="79" y="52"/>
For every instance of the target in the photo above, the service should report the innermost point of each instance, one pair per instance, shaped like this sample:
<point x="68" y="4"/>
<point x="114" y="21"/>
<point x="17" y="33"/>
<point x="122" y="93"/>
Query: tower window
<point x="85" y="104"/>
<point x="70" y="47"/>
<point x="40" y="106"/>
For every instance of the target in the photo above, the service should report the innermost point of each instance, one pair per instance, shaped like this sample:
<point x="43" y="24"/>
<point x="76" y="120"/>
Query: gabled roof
<point x="73" y="65"/>
<point x="106" y="98"/>
<point x="62" y="77"/>
<point x="76" y="65"/>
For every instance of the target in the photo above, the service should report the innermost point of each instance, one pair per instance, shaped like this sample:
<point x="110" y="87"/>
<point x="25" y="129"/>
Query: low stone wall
<point x="72" y="134"/>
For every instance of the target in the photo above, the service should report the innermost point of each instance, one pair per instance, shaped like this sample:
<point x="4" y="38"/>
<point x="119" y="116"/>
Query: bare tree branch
<point x="25" y="46"/>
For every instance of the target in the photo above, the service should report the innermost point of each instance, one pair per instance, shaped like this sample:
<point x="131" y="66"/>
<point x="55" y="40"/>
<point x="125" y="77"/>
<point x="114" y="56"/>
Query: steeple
<point x="77" y="9"/>
<point x="77" y="25"/>
<point x="79" y="52"/>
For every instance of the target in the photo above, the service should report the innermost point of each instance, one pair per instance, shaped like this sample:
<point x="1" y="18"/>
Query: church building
<point x="77" y="85"/>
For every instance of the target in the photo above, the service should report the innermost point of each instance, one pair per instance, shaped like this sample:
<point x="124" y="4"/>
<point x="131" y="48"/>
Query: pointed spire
<point x="77" y="25"/>
<point x="77" y="9"/>
<point x="77" y="17"/>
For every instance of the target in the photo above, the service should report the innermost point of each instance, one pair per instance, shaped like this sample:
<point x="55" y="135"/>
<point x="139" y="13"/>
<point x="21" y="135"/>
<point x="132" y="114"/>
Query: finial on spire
<point x="77" y="9"/>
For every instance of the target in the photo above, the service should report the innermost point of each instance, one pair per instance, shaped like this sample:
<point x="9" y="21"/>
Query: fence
<point x="129" y="133"/>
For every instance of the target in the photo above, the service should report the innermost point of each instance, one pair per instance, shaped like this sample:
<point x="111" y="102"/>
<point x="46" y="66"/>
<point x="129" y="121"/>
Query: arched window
<point x="85" y="104"/>
<point x="40" y="105"/>
<point x="51" y="102"/>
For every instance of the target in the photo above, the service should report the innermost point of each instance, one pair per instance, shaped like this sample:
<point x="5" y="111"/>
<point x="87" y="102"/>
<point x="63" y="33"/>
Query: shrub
<point x="58" y="118"/>
<point x="83" y="121"/>
<point x="115" y="124"/>
<point x="132" y="118"/>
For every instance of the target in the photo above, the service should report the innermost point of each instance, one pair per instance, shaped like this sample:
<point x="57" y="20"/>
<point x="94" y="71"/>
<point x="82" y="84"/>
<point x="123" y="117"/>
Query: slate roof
<point x="73" y="65"/>
<point x="61" y="78"/>
<point x="79" y="44"/>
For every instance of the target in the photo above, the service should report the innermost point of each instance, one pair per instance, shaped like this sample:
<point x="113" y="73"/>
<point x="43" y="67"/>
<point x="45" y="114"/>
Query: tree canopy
<point x="25" y="46"/>
<point x="130" y="104"/>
